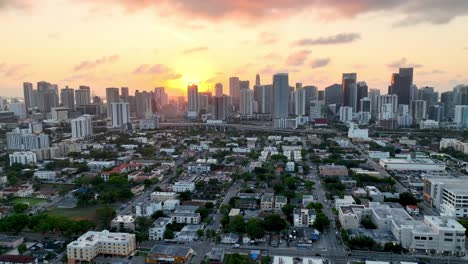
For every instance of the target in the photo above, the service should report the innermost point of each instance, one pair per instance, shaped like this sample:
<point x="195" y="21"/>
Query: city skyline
<point x="314" y="42"/>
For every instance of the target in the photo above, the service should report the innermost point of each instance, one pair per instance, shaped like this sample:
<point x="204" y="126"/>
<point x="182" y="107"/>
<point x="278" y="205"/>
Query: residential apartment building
<point x="156" y="231"/>
<point x="304" y="217"/>
<point x="123" y="223"/>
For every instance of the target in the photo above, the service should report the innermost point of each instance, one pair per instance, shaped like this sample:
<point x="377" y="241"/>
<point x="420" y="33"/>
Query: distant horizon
<point x="144" y="44"/>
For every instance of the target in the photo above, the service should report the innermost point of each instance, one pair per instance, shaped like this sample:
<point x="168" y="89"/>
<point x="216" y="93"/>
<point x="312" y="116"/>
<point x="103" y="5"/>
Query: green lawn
<point x="88" y="213"/>
<point x="30" y="201"/>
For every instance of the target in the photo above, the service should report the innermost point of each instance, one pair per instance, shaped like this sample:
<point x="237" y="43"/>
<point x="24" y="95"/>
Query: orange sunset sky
<point x="143" y="44"/>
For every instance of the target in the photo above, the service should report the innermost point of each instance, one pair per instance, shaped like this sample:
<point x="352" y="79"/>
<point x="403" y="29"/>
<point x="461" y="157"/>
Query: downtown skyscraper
<point x="401" y="83"/>
<point x="348" y="84"/>
<point x="280" y="95"/>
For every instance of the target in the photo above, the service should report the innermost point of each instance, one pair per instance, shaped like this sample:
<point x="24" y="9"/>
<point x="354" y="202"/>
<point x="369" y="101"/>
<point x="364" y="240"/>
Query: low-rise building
<point x="374" y="193"/>
<point x="417" y="164"/>
<point x="92" y="243"/>
<point x="186" y="218"/>
<point x="177" y="254"/>
<point x="45" y="175"/>
<point x="123" y="223"/>
<point x="378" y="155"/>
<point x="100" y="165"/>
<point x="182" y="186"/>
<point x="156" y="231"/>
<point x="307" y="199"/>
<point x="22" y="157"/>
<point x="17" y="259"/>
<point x="24" y="190"/>
<point x="199" y="168"/>
<point x="280" y="201"/>
<point x="289" y="166"/>
<point x="163" y="196"/>
<point x="304" y="217"/>
<point x="350" y="216"/>
<point x="345" y="201"/>
<point x="333" y="170"/>
<point x="267" y="202"/>
<point x="10" y="241"/>
<point x="449" y="195"/>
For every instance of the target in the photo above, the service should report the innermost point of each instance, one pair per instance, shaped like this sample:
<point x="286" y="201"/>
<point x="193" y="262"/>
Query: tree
<point x="20" y="207"/>
<point x="407" y="198"/>
<point x="169" y="234"/>
<point x="393" y="247"/>
<point x="104" y="216"/>
<point x="274" y="223"/>
<point x="288" y="212"/>
<point x="185" y="196"/>
<point x="22" y="248"/>
<point x="237" y="224"/>
<point x="309" y="185"/>
<point x="254" y="228"/>
<point x="200" y="232"/>
<point x="203" y="212"/>
<point x="321" y="221"/>
<point x="367" y="223"/>
<point x="157" y="214"/>
<point x="316" y="206"/>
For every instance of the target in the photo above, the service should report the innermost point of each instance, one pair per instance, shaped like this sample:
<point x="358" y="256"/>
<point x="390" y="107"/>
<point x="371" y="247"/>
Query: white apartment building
<point x="453" y="143"/>
<point x="123" y="223"/>
<point x="303" y="217"/>
<point x="22" y="157"/>
<point x="345" y="201"/>
<point x="378" y="155"/>
<point x="100" y="165"/>
<point x="418" y="164"/>
<point x="91" y="244"/>
<point x="182" y="186"/>
<point x="156" y="231"/>
<point x="82" y="126"/>
<point x="120" y="114"/>
<point x="163" y="196"/>
<point x="186" y="218"/>
<point x="350" y="216"/>
<point x="346" y="114"/>
<point x="142" y="209"/>
<point x="45" y="175"/>
<point x="449" y="195"/>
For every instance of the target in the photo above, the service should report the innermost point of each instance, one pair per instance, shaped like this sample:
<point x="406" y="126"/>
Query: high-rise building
<point x="160" y="98"/>
<point x="218" y="89"/>
<point x="418" y="110"/>
<point x="192" y="97"/>
<point x="124" y="93"/>
<point x="361" y="92"/>
<point x="83" y="95"/>
<point x="28" y="95"/>
<point x="334" y="95"/>
<point x="461" y="116"/>
<point x="321" y="95"/>
<point x="23" y="139"/>
<point x="246" y="102"/>
<point x="448" y="100"/>
<point x="120" y="114"/>
<point x="67" y="98"/>
<point x="112" y="96"/>
<point x="82" y="126"/>
<point x="203" y="103"/>
<point x="460" y="95"/>
<point x="429" y="95"/>
<point x="220" y="106"/>
<point x="280" y="95"/>
<point x="47" y="96"/>
<point x="387" y="106"/>
<point x="404" y="117"/>
<point x="374" y="97"/>
<point x="299" y="100"/>
<point x="401" y="85"/>
<point x="365" y="105"/>
<point x="316" y="109"/>
<point x="244" y="85"/>
<point x="234" y="91"/>
<point x="437" y="112"/>
<point x="349" y="90"/>
<point x="263" y="95"/>
<point x="257" y="79"/>
<point x="346" y="114"/>
<point x="311" y="94"/>
<point x="18" y="109"/>
<point x="143" y="103"/>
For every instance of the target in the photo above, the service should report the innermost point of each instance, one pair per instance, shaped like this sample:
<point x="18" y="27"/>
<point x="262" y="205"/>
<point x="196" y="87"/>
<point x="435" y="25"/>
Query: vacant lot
<point x="88" y="213"/>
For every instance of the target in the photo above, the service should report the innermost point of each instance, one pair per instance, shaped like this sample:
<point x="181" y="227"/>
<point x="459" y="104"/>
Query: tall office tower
<point x="311" y="94"/>
<point x="361" y="92"/>
<point x="18" y="109"/>
<point x="192" y="97"/>
<point x="280" y="95"/>
<point x="447" y="99"/>
<point x="203" y="103"/>
<point x="429" y="95"/>
<point x="124" y="94"/>
<point x="220" y="106"/>
<point x="401" y="85"/>
<point x="418" y="110"/>
<point x="334" y="94"/>
<point x="97" y="100"/>
<point x="143" y="103"/>
<point x="112" y="96"/>
<point x="160" y="98"/>
<point x="321" y="95"/>
<point x="300" y="100"/>
<point x="82" y="126"/>
<point x="234" y="91"/>
<point x="365" y="105"/>
<point x="67" y="97"/>
<point x="244" y="85"/>
<point x="246" y="102"/>
<point x="218" y="89"/>
<point x="414" y="92"/>
<point x="374" y="97"/>
<point x="263" y="95"/>
<point x="83" y="96"/>
<point x="257" y="79"/>
<point x="316" y="109"/>
<point x="461" y="116"/>
<point x="28" y="95"/>
<point x="349" y="90"/>
<point x="346" y="114"/>
<point x="47" y="96"/>
<point x="460" y="94"/>
<point x="120" y="114"/>
<point x="437" y="112"/>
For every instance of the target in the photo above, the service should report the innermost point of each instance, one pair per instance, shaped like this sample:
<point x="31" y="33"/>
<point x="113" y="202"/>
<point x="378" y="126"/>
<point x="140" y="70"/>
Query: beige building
<point x="92" y="244"/>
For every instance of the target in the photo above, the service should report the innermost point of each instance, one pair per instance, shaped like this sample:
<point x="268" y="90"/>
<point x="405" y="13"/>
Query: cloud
<point x="88" y="65"/>
<point x="78" y="77"/>
<point x="196" y="49"/>
<point x="13" y="71"/>
<point x="402" y="63"/>
<point x="267" y="70"/>
<point x="16" y="4"/>
<point x="298" y="58"/>
<point x="267" y="38"/>
<point x="431" y="72"/>
<point x="330" y="40"/>
<point x="319" y="63"/>
<point x="158" y="69"/>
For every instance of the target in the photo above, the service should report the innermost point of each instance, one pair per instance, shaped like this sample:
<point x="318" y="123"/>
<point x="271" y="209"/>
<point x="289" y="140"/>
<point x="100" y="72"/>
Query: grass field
<point x="30" y="201"/>
<point x="88" y="213"/>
